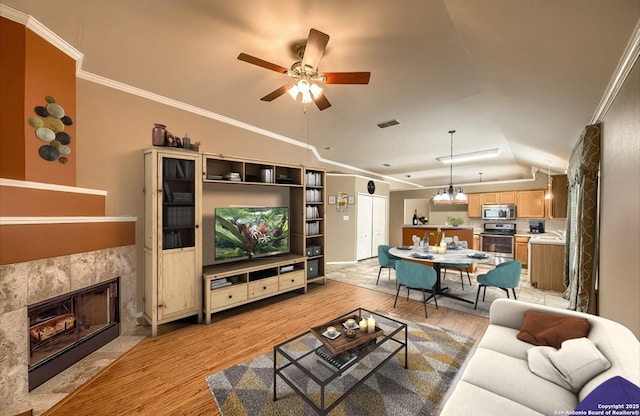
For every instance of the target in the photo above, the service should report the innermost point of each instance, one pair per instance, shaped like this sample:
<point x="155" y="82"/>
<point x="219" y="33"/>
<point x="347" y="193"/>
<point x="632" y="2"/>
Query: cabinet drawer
<point x="228" y="296"/>
<point x="291" y="279"/>
<point x="263" y="287"/>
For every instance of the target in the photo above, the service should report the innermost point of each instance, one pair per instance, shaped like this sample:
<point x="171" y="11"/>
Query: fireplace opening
<point x="65" y="329"/>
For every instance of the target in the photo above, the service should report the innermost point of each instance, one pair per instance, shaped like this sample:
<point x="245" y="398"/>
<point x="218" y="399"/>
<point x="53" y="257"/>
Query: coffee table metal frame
<point x="323" y="382"/>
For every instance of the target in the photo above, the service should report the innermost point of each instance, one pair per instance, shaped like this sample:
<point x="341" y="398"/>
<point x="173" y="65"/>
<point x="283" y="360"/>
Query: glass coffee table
<point x="324" y="371"/>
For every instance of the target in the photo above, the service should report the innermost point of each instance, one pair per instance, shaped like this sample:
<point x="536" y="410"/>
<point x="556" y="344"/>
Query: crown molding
<point x="625" y="65"/>
<point x="44" y="32"/>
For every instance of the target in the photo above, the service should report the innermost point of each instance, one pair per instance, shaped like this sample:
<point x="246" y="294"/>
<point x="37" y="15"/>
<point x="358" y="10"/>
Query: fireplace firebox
<point x="65" y="329"/>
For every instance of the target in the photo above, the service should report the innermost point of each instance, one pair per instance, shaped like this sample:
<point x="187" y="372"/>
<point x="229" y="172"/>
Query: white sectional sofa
<point x="497" y="380"/>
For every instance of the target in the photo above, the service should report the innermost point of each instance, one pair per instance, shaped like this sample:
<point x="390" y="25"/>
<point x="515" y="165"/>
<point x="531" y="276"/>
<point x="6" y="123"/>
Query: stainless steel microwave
<point x="499" y="212"/>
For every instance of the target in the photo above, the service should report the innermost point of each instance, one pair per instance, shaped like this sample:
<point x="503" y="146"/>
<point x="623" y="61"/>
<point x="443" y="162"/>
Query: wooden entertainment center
<point x="182" y="189"/>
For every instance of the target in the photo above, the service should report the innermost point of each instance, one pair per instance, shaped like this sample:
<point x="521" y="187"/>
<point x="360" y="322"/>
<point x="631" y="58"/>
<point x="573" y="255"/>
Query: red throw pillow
<point x="542" y="328"/>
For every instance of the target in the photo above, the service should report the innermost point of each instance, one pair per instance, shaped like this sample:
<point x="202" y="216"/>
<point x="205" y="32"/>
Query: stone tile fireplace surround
<point x="29" y="282"/>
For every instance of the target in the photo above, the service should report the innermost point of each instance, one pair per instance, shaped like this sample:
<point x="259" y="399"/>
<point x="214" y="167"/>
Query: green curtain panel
<point x="581" y="256"/>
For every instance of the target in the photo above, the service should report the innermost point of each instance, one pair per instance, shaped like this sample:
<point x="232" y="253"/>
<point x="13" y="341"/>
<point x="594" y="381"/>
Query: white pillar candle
<point x="363" y="325"/>
<point x="371" y="325"/>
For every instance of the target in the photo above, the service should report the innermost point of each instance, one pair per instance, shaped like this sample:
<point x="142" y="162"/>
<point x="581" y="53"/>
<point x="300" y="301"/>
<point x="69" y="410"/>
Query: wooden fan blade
<point x="277" y="93"/>
<point x="347" y="77"/>
<point x="260" y="62"/>
<point x="314" y="49"/>
<point x="322" y="102"/>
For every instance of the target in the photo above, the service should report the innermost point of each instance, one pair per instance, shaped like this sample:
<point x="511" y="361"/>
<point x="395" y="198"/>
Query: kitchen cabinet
<point x="530" y="204"/>
<point x="508" y="197"/>
<point x="476" y="242"/>
<point x="489" y="198"/>
<point x="560" y="196"/>
<point x="474" y="207"/>
<point x="522" y="250"/>
<point x="546" y="270"/>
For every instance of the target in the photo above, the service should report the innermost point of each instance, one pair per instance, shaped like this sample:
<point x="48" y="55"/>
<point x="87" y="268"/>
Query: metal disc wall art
<point x="49" y="128"/>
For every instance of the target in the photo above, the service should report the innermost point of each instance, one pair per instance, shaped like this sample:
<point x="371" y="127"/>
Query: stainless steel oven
<point x="498" y="239"/>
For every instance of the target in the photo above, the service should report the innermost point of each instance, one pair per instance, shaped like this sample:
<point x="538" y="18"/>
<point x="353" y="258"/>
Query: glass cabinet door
<point x="178" y="203"/>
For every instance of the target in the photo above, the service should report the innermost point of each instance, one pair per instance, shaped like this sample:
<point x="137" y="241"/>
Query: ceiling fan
<point x="304" y="74"/>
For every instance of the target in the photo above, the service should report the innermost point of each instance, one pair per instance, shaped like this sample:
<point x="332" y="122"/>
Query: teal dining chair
<point x="504" y="276"/>
<point x="416" y="276"/>
<point x="386" y="260"/>
<point x="456" y="266"/>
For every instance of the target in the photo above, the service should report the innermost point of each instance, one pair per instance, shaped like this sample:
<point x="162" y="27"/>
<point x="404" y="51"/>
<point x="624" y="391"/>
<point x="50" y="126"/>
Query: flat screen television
<point x="250" y="232"/>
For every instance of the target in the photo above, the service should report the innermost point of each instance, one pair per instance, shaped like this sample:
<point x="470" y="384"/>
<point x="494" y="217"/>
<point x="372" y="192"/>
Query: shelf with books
<point x="314" y="224"/>
<point x="220" y="168"/>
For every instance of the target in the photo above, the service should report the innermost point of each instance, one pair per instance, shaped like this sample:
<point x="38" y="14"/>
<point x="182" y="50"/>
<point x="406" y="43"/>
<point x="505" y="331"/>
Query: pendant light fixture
<point x="450" y="195"/>
<point x="548" y="195"/>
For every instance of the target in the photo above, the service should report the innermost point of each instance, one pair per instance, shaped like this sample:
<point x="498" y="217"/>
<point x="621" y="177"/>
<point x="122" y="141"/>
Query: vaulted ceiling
<point x="524" y="76"/>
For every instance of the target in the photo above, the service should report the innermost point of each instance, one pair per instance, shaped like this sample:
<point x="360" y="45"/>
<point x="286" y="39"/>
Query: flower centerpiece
<point x="437" y="237"/>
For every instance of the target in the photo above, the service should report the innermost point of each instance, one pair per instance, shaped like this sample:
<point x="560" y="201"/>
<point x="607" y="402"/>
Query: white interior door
<point x="379" y="223"/>
<point x="364" y="229"/>
<point x="372" y="225"/>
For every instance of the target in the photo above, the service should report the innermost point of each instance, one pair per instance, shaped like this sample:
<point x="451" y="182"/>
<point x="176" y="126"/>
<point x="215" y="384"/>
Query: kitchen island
<point x="546" y="262"/>
<point x="463" y="233"/>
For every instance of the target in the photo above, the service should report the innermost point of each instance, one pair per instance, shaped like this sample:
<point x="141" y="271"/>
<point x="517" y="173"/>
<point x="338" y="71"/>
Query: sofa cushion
<point x="542" y="328"/>
<point x="615" y="391"/>
<point x="572" y="366"/>
<point x="510" y="378"/>
<point x="504" y="340"/>
<point x="469" y="399"/>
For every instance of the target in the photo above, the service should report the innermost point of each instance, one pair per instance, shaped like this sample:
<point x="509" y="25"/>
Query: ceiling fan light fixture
<point x="307" y="90"/>
<point x="315" y="90"/>
<point x="306" y="97"/>
<point x="293" y="91"/>
<point x="303" y="86"/>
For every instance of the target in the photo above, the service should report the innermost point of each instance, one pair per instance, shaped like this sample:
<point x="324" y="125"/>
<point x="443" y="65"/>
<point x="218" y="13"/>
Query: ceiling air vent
<point x="389" y="123"/>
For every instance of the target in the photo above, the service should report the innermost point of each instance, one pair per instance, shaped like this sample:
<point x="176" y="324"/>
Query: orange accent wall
<point x="12" y="121"/>
<point x="27" y="202"/>
<point x="22" y="243"/>
<point x="33" y="69"/>
<point x="48" y="72"/>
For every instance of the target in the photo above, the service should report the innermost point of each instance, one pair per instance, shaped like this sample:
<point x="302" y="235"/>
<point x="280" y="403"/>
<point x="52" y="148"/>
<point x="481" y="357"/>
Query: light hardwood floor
<point x="166" y="375"/>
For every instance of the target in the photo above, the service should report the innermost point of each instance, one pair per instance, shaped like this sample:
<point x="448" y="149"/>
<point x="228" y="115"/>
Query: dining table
<point x="456" y="255"/>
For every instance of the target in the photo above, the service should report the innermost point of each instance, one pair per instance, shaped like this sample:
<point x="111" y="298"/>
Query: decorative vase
<point x="159" y="134"/>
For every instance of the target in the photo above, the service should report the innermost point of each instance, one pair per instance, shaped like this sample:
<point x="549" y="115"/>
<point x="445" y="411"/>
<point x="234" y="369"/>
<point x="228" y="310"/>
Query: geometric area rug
<point x="435" y="356"/>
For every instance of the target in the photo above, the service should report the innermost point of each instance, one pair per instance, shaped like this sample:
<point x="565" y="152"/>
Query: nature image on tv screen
<point x="248" y="232"/>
